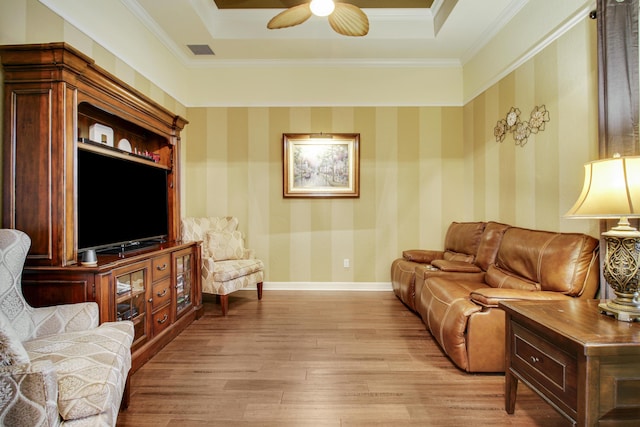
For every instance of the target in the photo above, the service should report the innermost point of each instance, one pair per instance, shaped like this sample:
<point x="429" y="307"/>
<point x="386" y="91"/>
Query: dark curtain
<point x="618" y="77"/>
<point x="618" y="89"/>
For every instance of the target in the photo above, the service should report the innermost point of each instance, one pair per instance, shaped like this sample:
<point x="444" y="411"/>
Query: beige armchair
<point x="227" y="265"/>
<point x="57" y="366"/>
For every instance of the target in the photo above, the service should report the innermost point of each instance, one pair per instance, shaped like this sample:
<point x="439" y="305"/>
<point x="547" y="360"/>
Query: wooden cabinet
<point x="59" y="109"/>
<point x="161" y="295"/>
<point x="583" y="363"/>
<point x="185" y="266"/>
<point x="53" y="95"/>
<point x="131" y="298"/>
<point x="142" y="286"/>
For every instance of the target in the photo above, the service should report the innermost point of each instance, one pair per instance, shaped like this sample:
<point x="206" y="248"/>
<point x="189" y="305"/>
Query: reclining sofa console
<point x="456" y="291"/>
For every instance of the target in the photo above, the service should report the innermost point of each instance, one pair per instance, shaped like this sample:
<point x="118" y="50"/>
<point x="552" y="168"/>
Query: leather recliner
<point x="457" y="291"/>
<point x="469" y="248"/>
<point x="463" y="314"/>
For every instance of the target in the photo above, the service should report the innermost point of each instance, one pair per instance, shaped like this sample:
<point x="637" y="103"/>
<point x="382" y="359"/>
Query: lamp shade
<point x="611" y="189"/>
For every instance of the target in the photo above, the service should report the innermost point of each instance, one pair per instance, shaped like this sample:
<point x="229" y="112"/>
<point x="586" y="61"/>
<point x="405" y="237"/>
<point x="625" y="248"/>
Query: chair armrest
<point x="456" y="266"/>
<point x="208" y="265"/>
<point x="33" y="386"/>
<point x="425" y="273"/>
<point x="491" y="297"/>
<point x="423" y="256"/>
<point x="65" y="318"/>
<point x="249" y="254"/>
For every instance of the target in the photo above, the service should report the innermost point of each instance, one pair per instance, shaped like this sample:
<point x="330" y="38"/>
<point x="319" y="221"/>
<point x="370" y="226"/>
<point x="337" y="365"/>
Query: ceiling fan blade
<point x="349" y="20"/>
<point x="295" y="15"/>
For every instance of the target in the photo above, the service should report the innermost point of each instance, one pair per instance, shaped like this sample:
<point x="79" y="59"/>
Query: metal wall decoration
<point x="521" y="129"/>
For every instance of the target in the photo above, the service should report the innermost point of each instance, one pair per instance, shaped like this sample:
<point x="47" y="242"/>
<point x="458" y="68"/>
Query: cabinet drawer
<point x="161" y="293"/>
<point x="547" y="367"/>
<point x="161" y="267"/>
<point x="161" y="319"/>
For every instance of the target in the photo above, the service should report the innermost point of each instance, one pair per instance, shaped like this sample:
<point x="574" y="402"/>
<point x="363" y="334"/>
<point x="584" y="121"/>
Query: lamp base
<point x="622" y="272"/>
<point x="620" y="311"/>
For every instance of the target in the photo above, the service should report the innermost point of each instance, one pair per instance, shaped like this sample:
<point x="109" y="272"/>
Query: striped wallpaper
<point x="421" y="168"/>
<point x="411" y="171"/>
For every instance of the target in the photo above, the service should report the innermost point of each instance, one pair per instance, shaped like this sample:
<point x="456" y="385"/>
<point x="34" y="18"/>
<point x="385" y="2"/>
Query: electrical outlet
<point x="346" y="263"/>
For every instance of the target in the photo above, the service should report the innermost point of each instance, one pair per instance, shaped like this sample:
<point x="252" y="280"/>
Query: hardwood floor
<point x="317" y="359"/>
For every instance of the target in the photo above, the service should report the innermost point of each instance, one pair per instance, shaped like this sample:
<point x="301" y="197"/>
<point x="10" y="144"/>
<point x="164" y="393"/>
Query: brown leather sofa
<point x="460" y="305"/>
<point x="469" y="248"/>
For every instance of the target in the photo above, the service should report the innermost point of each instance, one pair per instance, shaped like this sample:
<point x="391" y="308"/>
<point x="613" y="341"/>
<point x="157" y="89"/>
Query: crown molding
<point x="578" y="17"/>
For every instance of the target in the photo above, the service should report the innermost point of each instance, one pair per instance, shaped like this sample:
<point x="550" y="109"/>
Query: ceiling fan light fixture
<point x="322" y="7"/>
<point x="345" y="18"/>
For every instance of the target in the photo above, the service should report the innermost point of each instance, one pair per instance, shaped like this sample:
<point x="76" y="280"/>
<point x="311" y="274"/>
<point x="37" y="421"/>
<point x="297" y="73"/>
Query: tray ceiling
<point x="402" y="32"/>
<point x="281" y="4"/>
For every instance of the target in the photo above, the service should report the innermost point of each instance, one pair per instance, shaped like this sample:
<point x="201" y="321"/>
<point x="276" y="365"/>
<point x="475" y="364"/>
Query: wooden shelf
<point x="106" y="150"/>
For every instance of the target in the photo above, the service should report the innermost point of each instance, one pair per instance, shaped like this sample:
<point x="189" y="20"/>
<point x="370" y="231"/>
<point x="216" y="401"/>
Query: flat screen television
<point x="121" y="203"/>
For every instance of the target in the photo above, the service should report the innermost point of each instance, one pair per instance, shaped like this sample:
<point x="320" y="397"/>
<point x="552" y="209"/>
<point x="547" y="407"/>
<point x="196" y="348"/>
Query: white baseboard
<point x="327" y="286"/>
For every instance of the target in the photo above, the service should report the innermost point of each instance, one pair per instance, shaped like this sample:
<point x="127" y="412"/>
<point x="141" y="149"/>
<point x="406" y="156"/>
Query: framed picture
<point x="321" y="165"/>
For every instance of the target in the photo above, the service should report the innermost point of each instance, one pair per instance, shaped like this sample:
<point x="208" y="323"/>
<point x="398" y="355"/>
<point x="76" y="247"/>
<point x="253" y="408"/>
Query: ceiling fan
<point x="344" y="18"/>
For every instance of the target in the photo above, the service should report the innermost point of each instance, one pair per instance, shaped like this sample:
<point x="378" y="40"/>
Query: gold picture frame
<point x="325" y="165"/>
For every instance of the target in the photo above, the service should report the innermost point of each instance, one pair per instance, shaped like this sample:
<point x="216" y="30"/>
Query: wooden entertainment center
<point x="54" y="98"/>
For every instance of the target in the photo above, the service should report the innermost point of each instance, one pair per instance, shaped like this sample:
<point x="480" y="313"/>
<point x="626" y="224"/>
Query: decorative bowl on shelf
<point x="124" y="145"/>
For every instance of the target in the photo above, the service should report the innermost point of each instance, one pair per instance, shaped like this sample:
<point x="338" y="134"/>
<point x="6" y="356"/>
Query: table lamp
<point x="612" y="190"/>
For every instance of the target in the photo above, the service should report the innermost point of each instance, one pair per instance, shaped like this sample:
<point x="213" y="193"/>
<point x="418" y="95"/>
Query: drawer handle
<point x="164" y="319"/>
<point x="164" y="292"/>
<point x="534" y="359"/>
<point x="162" y="267"/>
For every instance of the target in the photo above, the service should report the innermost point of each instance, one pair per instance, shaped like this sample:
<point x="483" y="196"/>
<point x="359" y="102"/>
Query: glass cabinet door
<point x="131" y="301"/>
<point x="184" y="280"/>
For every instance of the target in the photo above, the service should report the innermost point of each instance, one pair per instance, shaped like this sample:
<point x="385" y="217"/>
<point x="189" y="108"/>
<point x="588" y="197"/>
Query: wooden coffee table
<point x="583" y="363"/>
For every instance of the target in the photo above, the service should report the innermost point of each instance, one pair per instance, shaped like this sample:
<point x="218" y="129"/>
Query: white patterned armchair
<point x="226" y="265"/>
<point x="57" y="366"/>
